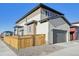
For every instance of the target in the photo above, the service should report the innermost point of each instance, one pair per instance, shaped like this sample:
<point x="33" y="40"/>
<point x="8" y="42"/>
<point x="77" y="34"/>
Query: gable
<point x="38" y="11"/>
<point x="37" y="7"/>
<point x="45" y="13"/>
<point x="22" y="23"/>
<point x="59" y="22"/>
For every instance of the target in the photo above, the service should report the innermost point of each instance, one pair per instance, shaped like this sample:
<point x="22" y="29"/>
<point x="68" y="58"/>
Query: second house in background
<point x="74" y="31"/>
<point x="44" y="20"/>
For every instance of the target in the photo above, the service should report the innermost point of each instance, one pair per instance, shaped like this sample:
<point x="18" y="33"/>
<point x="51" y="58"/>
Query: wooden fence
<point x="12" y="41"/>
<point x="25" y="41"/>
<point x="39" y="39"/>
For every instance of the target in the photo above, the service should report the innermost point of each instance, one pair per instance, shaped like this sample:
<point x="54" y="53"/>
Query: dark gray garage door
<point x="59" y="36"/>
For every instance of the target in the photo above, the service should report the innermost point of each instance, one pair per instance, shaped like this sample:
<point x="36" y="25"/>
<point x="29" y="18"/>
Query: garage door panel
<point x="59" y="36"/>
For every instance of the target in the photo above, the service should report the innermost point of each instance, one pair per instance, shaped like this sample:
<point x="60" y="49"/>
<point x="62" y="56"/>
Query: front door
<point x="71" y="36"/>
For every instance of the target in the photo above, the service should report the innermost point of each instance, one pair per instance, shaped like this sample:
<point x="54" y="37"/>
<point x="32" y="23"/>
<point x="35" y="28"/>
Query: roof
<point x="43" y="20"/>
<point x="66" y="20"/>
<point x="33" y="21"/>
<point x="76" y="22"/>
<point x="18" y="26"/>
<point x="34" y="9"/>
<point x="74" y="26"/>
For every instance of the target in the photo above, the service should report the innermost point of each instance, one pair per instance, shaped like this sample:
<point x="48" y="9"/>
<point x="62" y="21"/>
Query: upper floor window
<point x="46" y="13"/>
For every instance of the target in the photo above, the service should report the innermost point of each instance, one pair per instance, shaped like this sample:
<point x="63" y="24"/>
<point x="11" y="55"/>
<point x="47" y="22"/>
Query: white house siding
<point x="35" y="15"/>
<point x="75" y="24"/>
<point x="42" y="28"/>
<point x="22" y="23"/>
<point x="37" y="18"/>
<point x="30" y="29"/>
<point x="25" y="30"/>
<point x="49" y="13"/>
<point x="60" y="24"/>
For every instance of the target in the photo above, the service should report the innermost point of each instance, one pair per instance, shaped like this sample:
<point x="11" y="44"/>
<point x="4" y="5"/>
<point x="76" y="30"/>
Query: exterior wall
<point x="60" y="24"/>
<point x="21" y="23"/>
<point x="77" y="33"/>
<point x="19" y="31"/>
<point x="74" y="35"/>
<point x="42" y="28"/>
<point x="35" y="15"/>
<point x="37" y="18"/>
<point x="49" y="13"/>
<point x="75" y="24"/>
<point x="30" y="29"/>
<point x="46" y="27"/>
<point x="73" y="30"/>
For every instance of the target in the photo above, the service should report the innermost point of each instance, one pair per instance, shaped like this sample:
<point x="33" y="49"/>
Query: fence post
<point x="34" y="33"/>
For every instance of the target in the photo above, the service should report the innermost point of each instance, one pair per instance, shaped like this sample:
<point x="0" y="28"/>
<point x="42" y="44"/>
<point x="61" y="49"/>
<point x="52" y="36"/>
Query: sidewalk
<point x="5" y="50"/>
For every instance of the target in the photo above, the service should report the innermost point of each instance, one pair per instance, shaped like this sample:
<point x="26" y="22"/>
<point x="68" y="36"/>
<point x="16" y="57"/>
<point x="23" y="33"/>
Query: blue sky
<point x="10" y="13"/>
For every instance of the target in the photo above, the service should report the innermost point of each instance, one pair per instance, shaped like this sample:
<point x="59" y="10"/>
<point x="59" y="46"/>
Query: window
<point x="50" y="14"/>
<point x="46" y="13"/>
<point x="22" y="32"/>
<point x="29" y="29"/>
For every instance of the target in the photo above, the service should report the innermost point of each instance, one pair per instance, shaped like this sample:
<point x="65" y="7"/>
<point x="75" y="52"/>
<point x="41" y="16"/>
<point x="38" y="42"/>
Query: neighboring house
<point x="74" y="31"/>
<point x="6" y="33"/>
<point x="44" y="20"/>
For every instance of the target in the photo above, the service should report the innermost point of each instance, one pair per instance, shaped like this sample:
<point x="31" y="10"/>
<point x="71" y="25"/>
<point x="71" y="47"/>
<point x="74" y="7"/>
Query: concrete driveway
<point x="39" y="50"/>
<point x="60" y="49"/>
<point x="5" y="50"/>
<point x="71" y="49"/>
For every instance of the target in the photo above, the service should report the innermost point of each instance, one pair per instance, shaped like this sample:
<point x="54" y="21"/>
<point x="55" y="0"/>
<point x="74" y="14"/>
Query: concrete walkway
<point x="60" y="49"/>
<point x="39" y="50"/>
<point x="5" y="50"/>
<point x="71" y="49"/>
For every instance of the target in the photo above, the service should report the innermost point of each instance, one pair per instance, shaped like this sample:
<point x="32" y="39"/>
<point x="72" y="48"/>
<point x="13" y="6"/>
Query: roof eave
<point x="40" y="5"/>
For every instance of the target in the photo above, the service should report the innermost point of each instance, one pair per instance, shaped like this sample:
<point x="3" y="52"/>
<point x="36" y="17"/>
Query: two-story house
<point x="44" y="20"/>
